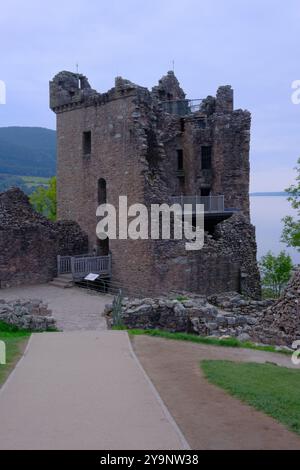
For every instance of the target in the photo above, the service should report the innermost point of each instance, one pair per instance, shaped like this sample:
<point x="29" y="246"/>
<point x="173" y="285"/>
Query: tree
<point x="276" y="271"/>
<point x="44" y="199"/>
<point x="291" y="230"/>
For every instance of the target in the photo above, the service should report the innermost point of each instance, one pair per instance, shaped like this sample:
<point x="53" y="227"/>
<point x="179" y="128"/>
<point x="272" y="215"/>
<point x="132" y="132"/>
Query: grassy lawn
<point x="272" y="389"/>
<point x="15" y="341"/>
<point x="230" y="342"/>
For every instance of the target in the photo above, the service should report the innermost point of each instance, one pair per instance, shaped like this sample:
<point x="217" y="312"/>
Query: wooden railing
<point x="80" y="266"/>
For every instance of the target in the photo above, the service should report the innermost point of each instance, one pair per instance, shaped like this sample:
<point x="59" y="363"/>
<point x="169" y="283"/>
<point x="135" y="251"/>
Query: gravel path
<point x="209" y="417"/>
<point x="74" y="309"/>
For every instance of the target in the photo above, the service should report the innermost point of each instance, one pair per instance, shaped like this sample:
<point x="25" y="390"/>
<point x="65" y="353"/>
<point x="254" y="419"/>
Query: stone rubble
<point x="32" y="315"/>
<point x="275" y="322"/>
<point x="222" y="315"/>
<point x="280" y="323"/>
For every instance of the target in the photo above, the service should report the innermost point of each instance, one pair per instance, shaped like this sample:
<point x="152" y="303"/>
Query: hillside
<point x="27" y="151"/>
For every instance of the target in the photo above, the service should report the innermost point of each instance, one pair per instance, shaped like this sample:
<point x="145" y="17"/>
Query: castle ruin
<point x="158" y="147"/>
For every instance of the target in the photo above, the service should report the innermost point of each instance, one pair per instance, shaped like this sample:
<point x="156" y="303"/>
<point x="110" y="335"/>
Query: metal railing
<point x="181" y="107"/>
<point x="80" y="266"/>
<point x="211" y="203"/>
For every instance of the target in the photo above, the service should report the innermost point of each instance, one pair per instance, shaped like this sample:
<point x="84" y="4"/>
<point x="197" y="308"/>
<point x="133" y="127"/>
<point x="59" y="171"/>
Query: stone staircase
<point x="63" y="280"/>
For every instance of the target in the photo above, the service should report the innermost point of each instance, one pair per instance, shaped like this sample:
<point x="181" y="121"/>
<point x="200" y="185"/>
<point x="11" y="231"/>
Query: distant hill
<point x="27" y="151"/>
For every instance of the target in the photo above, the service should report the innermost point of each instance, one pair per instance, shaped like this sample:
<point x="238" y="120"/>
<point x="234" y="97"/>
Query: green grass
<point x="269" y="388"/>
<point x="15" y="341"/>
<point x="182" y="298"/>
<point x="230" y="342"/>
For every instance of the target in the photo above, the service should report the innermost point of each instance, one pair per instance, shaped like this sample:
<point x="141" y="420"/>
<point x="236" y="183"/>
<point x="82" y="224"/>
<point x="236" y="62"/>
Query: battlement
<point x="69" y="90"/>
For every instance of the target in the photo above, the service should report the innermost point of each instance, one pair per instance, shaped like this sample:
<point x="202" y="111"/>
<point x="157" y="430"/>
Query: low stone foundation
<point x="31" y="315"/>
<point x="221" y="315"/>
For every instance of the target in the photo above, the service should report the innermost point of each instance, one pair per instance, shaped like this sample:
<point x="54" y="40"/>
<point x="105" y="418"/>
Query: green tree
<point x="44" y="199"/>
<point x="291" y="229"/>
<point x="276" y="272"/>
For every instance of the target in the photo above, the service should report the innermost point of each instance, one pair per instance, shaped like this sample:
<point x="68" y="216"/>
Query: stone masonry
<point x="32" y="315"/>
<point x="153" y="146"/>
<point x="30" y="243"/>
<point x="221" y="315"/>
<point x="275" y="322"/>
<point x="280" y="324"/>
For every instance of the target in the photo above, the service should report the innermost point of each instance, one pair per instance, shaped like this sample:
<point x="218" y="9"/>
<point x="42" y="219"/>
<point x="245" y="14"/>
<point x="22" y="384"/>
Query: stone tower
<point x="154" y="147"/>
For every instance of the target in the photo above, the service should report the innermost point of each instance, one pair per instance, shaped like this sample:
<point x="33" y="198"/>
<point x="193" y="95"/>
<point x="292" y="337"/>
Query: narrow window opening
<point x="182" y="125"/>
<point x="179" y="159"/>
<point x="87" y="143"/>
<point x="101" y="191"/>
<point x="201" y="123"/>
<point x="206" y="157"/>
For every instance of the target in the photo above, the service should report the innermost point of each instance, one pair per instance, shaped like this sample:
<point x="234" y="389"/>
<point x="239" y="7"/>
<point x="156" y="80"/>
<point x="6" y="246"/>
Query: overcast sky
<point x="252" y="45"/>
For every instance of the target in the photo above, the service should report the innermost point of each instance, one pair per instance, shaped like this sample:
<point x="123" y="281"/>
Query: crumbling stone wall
<point x="30" y="243"/>
<point x="134" y="144"/>
<point x="223" y="315"/>
<point x="32" y="315"/>
<point x="280" y="323"/>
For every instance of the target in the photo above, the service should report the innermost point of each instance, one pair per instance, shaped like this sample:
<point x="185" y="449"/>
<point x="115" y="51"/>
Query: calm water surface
<point x="266" y="215"/>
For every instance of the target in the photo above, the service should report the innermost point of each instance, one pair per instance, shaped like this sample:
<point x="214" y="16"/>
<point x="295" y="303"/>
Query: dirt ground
<point x="74" y="309"/>
<point x="208" y="417"/>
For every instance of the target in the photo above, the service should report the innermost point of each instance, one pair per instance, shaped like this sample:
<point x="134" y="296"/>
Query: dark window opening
<point x="87" y="143"/>
<point x="101" y="191"/>
<point x="103" y="247"/>
<point x="206" y="157"/>
<point x="205" y="191"/>
<point x="182" y="125"/>
<point x="201" y="123"/>
<point x="179" y="159"/>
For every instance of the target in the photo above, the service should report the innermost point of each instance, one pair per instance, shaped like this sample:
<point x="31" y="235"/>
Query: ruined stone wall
<point x="30" y="243"/>
<point x="280" y="323"/>
<point x="231" y="140"/>
<point x="227" y="262"/>
<point x="220" y="316"/>
<point x="32" y="315"/>
<point x="228" y="133"/>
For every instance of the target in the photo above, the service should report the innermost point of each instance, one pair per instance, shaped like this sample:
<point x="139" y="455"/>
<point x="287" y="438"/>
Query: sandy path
<point x="74" y="309"/>
<point x="208" y="417"/>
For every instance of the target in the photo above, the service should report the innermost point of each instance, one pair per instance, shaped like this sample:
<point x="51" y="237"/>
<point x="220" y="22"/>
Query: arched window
<point x="101" y="191"/>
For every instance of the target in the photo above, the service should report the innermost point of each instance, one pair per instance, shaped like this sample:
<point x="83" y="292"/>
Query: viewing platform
<point x="82" y="265"/>
<point x="181" y="107"/>
<point x="212" y="204"/>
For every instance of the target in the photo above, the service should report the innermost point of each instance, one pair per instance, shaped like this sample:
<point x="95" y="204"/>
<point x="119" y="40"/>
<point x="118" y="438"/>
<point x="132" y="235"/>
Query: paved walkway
<point x="210" y="418"/>
<point x="83" y="390"/>
<point x="74" y="309"/>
